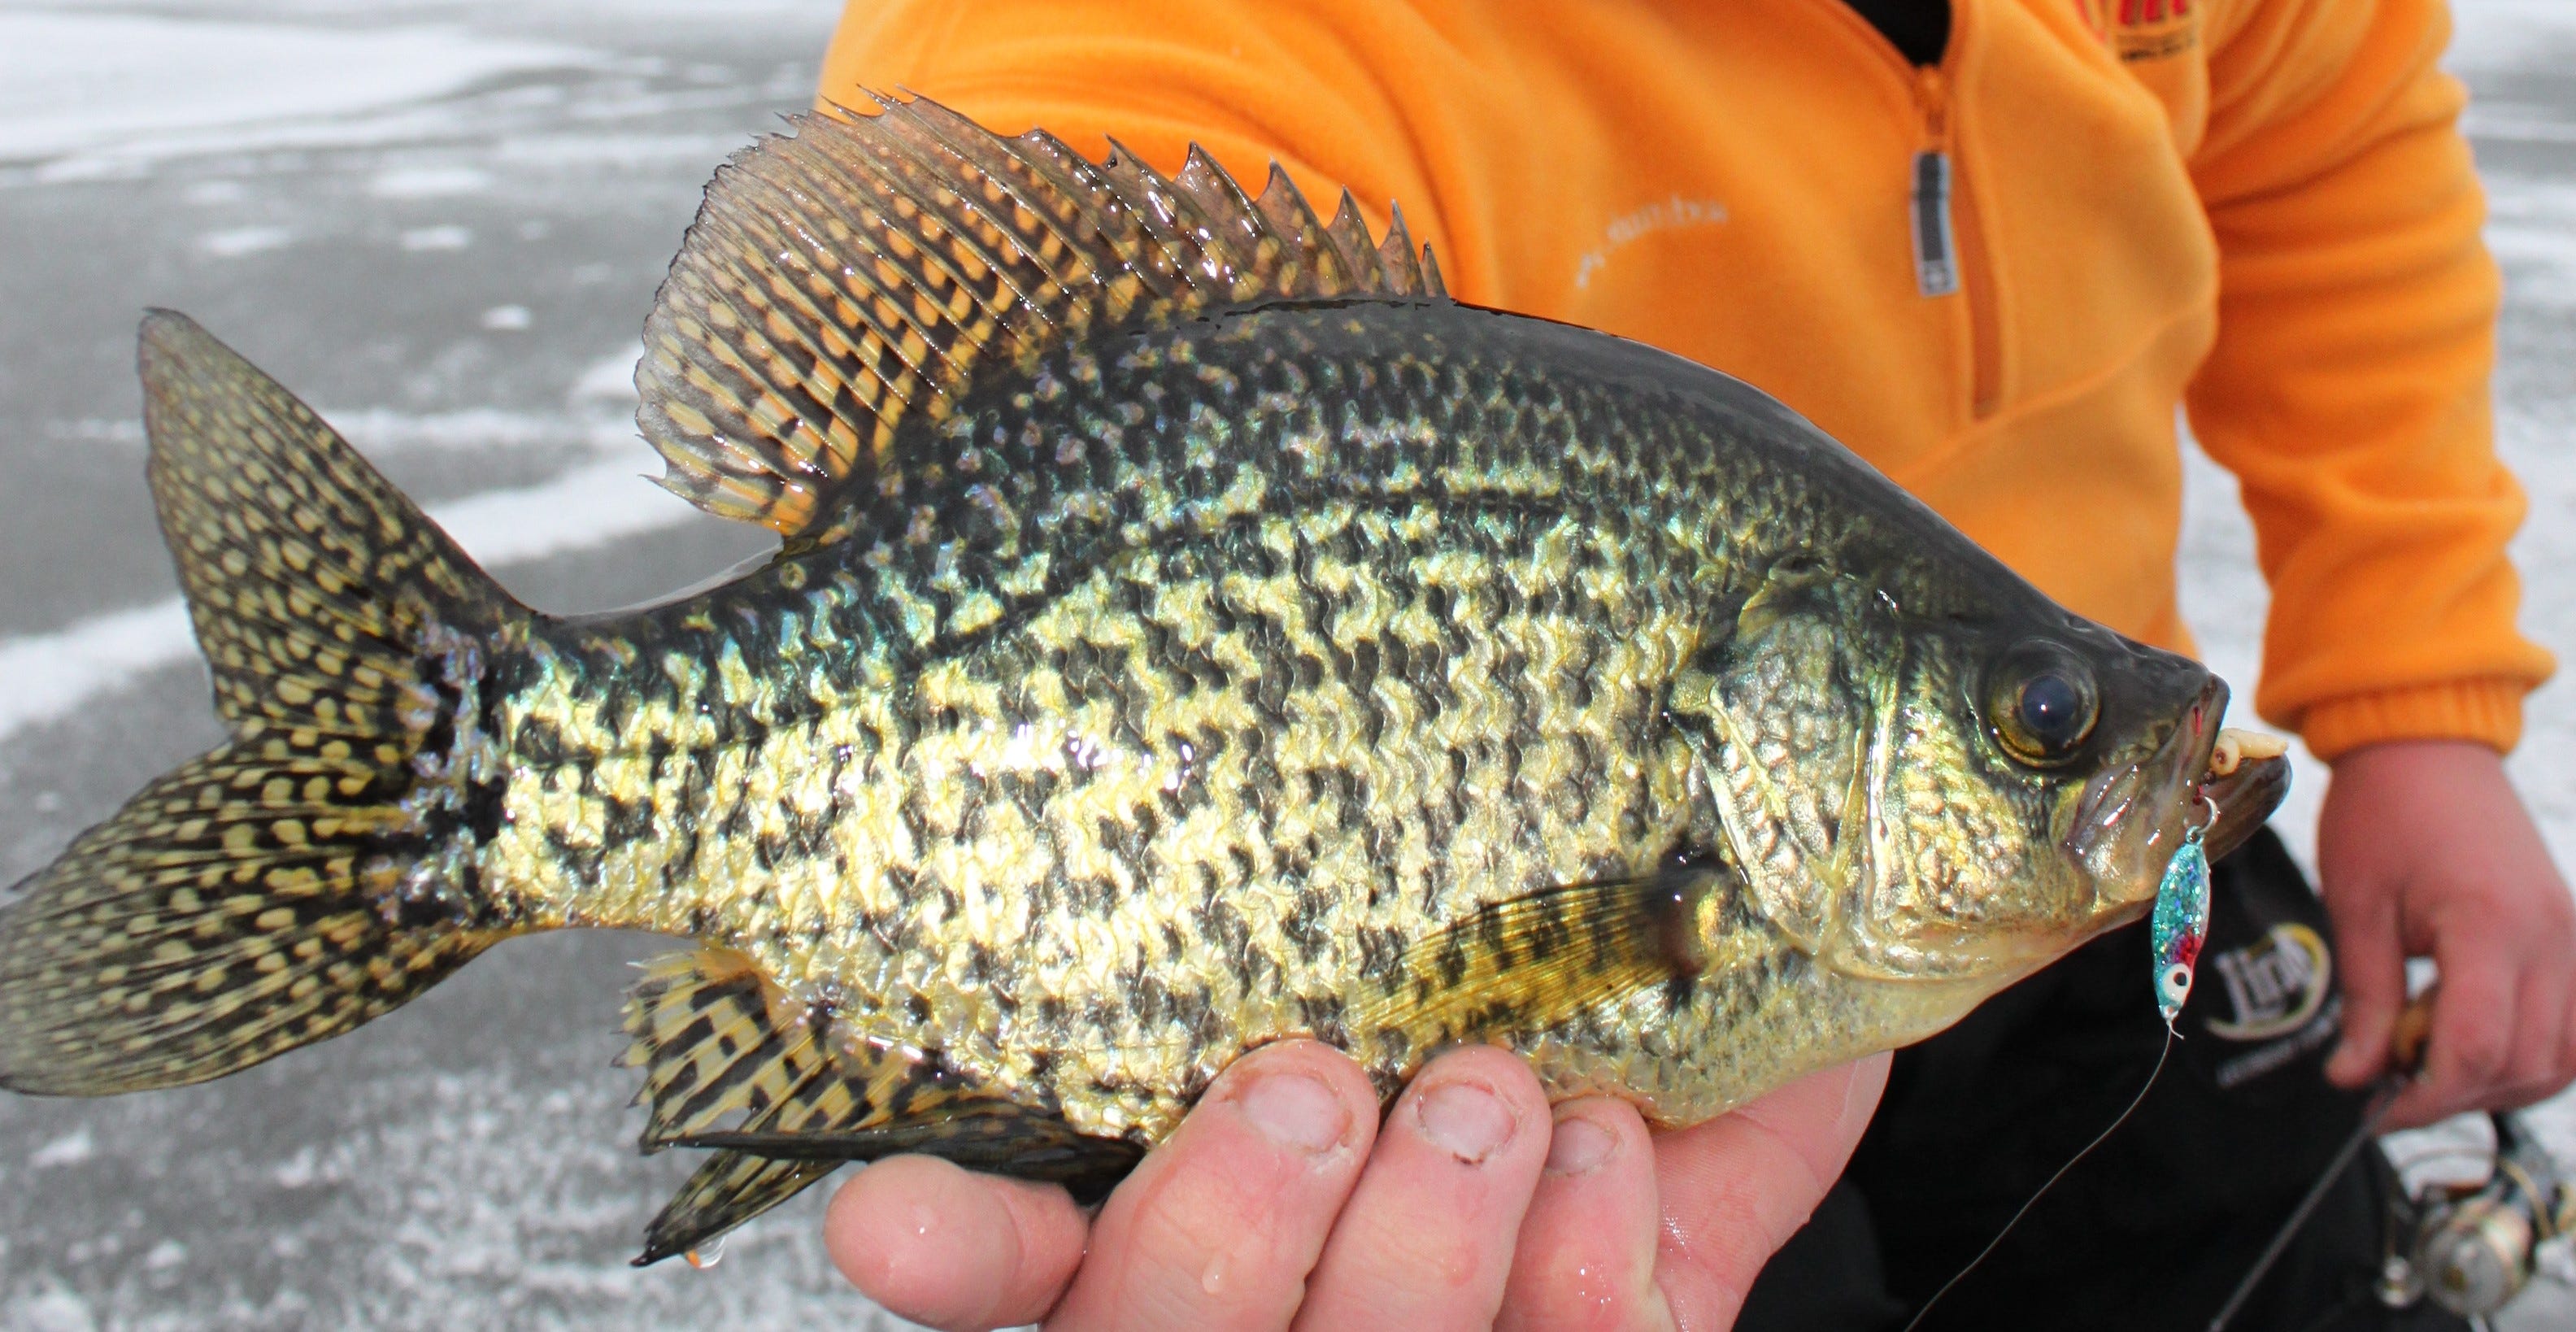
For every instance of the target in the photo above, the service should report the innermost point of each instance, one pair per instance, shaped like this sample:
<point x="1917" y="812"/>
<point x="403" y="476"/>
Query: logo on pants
<point x="2274" y="985"/>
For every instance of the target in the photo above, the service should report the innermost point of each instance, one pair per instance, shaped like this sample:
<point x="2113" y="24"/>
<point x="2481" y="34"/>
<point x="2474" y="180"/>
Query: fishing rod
<point x="2468" y="1248"/>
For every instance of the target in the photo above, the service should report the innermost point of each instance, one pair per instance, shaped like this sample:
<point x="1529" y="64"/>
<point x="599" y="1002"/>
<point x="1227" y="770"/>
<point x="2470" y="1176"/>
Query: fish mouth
<point x="2247" y="778"/>
<point x="2130" y="818"/>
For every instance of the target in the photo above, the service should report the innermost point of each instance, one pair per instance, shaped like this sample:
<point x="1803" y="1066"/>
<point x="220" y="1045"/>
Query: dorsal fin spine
<point x="1412" y="276"/>
<point x="1350" y="240"/>
<point x="1236" y="222"/>
<point x="1287" y="211"/>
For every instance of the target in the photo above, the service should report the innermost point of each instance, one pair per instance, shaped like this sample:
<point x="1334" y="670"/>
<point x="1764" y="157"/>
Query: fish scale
<point x="1190" y="630"/>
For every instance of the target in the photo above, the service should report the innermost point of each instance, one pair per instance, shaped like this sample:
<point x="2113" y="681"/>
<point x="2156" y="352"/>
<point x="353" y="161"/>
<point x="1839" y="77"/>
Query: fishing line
<point x="2071" y="1162"/>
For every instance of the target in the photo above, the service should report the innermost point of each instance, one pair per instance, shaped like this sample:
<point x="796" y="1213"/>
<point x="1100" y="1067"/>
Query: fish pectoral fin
<point x="785" y="1094"/>
<point x="868" y="270"/>
<point x="1526" y="963"/>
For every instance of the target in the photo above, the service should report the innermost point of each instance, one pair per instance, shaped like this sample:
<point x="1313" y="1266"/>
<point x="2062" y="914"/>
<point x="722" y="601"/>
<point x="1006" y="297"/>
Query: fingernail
<point x="1464" y="1119"/>
<point x="1294" y="1110"/>
<point x="1577" y="1146"/>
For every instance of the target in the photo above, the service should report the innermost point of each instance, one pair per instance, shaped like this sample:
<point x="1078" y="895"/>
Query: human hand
<point x="2424" y="848"/>
<point x="1282" y="1199"/>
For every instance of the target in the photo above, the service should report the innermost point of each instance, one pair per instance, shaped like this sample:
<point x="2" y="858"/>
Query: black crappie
<point x="1192" y="630"/>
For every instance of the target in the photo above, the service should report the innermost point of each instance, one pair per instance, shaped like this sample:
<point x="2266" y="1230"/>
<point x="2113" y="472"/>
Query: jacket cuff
<point x="2486" y="711"/>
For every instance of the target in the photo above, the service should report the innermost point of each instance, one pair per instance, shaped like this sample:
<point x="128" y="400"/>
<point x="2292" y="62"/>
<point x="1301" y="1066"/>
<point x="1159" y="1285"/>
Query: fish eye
<point x="2041" y="703"/>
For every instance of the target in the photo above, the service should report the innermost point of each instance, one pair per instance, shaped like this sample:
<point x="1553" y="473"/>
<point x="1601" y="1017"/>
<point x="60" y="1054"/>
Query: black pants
<point x="2153" y="1229"/>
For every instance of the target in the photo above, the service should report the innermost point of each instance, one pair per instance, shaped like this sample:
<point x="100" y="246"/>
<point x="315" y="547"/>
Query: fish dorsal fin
<point x="864" y="273"/>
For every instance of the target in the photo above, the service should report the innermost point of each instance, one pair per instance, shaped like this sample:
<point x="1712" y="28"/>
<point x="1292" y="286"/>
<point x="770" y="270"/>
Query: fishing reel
<point x="2470" y="1248"/>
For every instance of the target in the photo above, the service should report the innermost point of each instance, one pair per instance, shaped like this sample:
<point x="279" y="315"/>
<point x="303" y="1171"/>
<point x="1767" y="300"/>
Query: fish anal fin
<point x="785" y="1092"/>
<point x="1529" y="962"/>
<point x="866" y="271"/>
<point x="718" y="1039"/>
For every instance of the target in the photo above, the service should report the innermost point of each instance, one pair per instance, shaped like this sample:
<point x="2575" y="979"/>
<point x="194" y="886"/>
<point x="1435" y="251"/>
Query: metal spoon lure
<point x="2180" y="924"/>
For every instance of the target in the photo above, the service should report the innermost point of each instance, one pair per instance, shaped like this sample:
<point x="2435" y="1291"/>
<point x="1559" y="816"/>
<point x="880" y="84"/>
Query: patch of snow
<point x="506" y="318"/>
<point x="54" y="1308"/>
<point x="429" y="182"/>
<point x="610" y="150"/>
<point x="127" y="85"/>
<point x="68" y="1150"/>
<point x="610" y="379"/>
<point x="300" y="1171"/>
<point x="235" y="242"/>
<point x="445" y="237"/>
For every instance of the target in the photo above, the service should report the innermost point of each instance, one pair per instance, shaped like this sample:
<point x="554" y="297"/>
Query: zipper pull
<point x="1936" y="254"/>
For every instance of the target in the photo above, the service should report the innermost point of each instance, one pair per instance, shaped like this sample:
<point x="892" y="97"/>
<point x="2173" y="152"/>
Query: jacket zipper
<point x="1945" y="228"/>
<point x="1949" y="249"/>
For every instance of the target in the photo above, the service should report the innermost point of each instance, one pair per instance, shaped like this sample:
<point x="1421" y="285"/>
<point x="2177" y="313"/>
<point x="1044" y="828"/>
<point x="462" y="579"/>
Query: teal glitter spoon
<point x="2181" y="922"/>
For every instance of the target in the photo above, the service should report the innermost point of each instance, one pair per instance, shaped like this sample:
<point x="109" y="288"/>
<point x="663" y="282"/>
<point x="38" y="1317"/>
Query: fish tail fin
<point x="316" y="869"/>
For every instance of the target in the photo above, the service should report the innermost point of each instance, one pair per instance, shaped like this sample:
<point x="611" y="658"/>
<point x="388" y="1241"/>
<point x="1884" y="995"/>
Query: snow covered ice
<point x="442" y="221"/>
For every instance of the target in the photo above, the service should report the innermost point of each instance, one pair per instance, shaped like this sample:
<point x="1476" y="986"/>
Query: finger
<point x="2531" y="1071"/>
<point x="1585" y="1258"/>
<point x="1426" y="1239"/>
<point x="2473" y="1022"/>
<point x="1219" y="1225"/>
<point x="1736" y="1188"/>
<point x="2567" y="1041"/>
<point x="2373" y="963"/>
<point x="950" y="1249"/>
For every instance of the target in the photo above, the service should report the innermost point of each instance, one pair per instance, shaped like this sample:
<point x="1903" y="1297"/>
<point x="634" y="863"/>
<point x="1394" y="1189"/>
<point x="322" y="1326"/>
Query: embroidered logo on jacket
<point x="1661" y="215"/>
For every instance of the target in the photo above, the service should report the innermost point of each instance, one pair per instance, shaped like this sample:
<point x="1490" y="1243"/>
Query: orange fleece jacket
<point x="2259" y="209"/>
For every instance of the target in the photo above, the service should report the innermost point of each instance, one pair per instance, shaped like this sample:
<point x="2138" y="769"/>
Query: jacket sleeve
<point x="2348" y="388"/>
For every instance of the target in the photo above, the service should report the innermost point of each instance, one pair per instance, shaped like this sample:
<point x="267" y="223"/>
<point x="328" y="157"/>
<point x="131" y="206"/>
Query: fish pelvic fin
<point x="726" y="1190"/>
<point x="314" y="871"/>
<point x="860" y="276"/>
<point x="785" y="1095"/>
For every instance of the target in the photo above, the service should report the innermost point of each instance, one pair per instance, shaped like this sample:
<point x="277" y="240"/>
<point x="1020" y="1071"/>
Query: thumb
<point x="2373" y="963"/>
